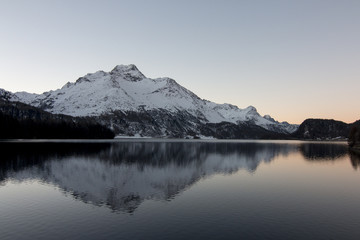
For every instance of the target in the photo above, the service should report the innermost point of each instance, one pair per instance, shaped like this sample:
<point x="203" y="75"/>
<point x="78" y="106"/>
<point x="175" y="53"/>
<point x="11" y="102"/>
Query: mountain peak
<point x="123" y="67"/>
<point x="128" y="72"/>
<point x="251" y="109"/>
<point x="268" y="117"/>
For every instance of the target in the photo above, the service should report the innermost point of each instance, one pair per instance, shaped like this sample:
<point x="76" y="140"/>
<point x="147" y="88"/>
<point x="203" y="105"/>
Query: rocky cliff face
<point x="128" y="102"/>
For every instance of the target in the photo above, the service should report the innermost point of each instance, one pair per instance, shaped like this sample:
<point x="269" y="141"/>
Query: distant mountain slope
<point x="19" y="120"/>
<point x="354" y="137"/>
<point x="322" y="129"/>
<point x="124" y="99"/>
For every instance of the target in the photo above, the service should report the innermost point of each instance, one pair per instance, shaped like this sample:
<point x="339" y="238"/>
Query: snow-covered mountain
<point x="125" y="90"/>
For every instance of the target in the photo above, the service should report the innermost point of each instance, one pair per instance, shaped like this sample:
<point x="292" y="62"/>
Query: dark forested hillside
<point x="321" y="129"/>
<point x="354" y="137"/>
<point x="19" y="120"/>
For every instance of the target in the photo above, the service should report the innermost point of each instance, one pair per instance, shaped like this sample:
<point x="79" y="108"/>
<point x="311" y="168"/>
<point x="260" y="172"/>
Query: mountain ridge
<point x="126" y="91"/>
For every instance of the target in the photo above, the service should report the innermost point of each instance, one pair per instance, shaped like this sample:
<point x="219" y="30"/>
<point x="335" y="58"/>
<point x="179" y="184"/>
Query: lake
<point x="178" y="189"/>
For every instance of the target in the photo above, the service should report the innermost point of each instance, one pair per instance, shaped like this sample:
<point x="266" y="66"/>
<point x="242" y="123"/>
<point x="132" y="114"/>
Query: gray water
<point x="178" y="190"/>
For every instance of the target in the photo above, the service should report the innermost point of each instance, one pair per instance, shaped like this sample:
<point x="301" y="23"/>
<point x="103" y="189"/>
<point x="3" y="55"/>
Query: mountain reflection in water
<point x="121" y="175"/>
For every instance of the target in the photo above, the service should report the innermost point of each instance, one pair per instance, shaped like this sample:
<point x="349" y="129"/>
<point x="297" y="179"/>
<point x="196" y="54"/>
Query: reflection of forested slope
<point x="328" y="152"/>
<point x="123" y="175"/>
<point x="355" y="160"/>
<point x="323" y="151"/>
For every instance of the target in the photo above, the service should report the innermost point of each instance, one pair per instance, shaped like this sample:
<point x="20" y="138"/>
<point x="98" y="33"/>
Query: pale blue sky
<point x="290" y="59"/>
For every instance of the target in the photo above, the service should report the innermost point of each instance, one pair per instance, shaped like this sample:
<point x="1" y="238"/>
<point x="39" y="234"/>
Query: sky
<point x="290" y="59"/>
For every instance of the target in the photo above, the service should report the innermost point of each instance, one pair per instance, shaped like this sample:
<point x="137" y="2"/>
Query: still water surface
<point x="179" y="190"/>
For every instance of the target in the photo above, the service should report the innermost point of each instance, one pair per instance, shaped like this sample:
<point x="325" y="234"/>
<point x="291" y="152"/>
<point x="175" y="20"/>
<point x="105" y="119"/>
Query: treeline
<point x="354" y="136"/>
<point x="21" y="121"/>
